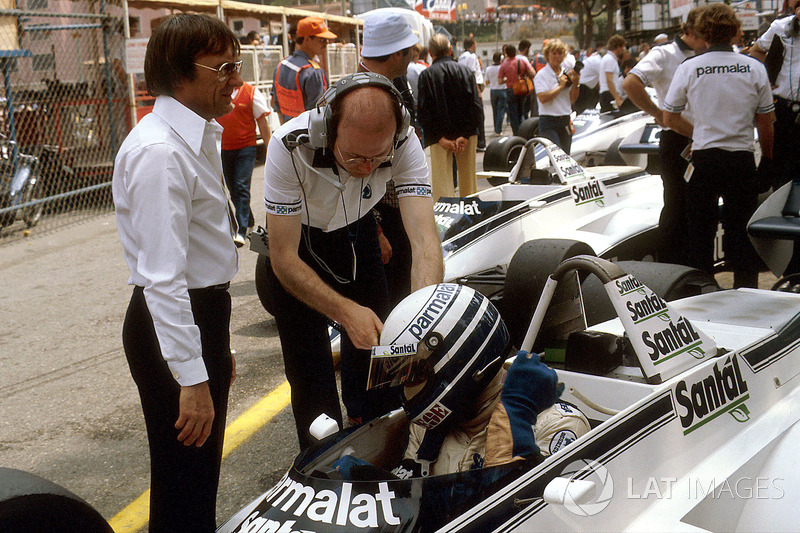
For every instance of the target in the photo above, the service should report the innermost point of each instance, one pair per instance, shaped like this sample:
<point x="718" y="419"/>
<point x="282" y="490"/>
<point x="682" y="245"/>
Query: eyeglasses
<point x="358" y="161"/>
<point x="225" y="70"/>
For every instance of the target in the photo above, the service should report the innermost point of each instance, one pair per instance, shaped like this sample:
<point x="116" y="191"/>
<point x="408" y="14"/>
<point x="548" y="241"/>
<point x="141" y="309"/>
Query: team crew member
<point x="177" y="234"/>
<point x="299" y="80"/>
<point x="239" y="150"/>
<point x="656" y="70"/>
<point x="590" y="83"/>
<point x="611" y="74"/>
<point x="786" y="91"/>
<point x="322" y="179"/>
<point x="556" y="91"/>
<point x="726" y="91"/>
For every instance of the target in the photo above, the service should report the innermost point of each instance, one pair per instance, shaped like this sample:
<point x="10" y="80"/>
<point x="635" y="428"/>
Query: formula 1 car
<point x="694" y="426"/>
<point x="599" y="139"/>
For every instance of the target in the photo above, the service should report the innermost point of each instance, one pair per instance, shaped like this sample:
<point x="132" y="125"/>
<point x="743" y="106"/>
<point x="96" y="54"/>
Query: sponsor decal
<point x="395" y="349"/>
<point x="418" y="327"/>
<point x="341" y="507"/>
<point x="366" y="192"/>
<point x="462" y="207"/>
<point x="722" y="69"/>
<point x="563" y="438"/>
<point x="590" y="191"/>
<point x="565" y="166"/>
<point x="666" y="343"/>
<point x="722" y="391"/>
<point x="282" y="209"/>
<point x="432" y="417"/>
<point x="455" y="215"/>
<point x="413" y="190"/>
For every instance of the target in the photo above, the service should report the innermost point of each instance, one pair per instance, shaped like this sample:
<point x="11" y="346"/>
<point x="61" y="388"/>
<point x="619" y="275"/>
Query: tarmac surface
<point x="70" y="411"/>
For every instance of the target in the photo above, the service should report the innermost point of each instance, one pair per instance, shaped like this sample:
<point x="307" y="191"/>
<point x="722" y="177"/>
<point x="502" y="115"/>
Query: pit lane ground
<point x="70" y="411"/>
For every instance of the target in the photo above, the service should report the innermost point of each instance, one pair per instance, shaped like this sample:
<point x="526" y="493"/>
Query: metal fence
<point x="62" y="113"/>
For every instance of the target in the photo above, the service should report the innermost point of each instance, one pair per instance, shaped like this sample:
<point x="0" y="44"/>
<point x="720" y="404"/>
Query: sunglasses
<point x="357" y="161"/>
<point x="225" y="70"/>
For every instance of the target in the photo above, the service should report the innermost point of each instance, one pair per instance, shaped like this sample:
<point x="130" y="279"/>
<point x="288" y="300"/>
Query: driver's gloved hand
<point x="765" y="175"/>
<point x="530" y="388"/>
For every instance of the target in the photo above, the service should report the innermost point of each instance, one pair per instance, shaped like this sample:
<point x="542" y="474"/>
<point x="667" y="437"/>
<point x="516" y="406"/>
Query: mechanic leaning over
<point x="177" y="233"/>
<point x="299" y="80"/>
<point x="726" y="92"/>
<point x="325" y="171"/>
<point x="466" y="410"/>
<point x="786" y="91"/>
<point x="656" y="70"/>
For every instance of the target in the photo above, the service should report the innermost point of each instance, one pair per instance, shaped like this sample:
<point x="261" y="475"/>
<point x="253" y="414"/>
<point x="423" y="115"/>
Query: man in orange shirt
<point x="239" y="150"/>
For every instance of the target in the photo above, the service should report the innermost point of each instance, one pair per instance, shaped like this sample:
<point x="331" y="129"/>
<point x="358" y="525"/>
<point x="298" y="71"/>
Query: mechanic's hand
<point x="530" y="388"/>
<point x="765" y="175"/>
<point x="386" y="248"/>
<point x="196" y="414"/>
<point x="362" y="326"/>
<point x="618" y="100"/>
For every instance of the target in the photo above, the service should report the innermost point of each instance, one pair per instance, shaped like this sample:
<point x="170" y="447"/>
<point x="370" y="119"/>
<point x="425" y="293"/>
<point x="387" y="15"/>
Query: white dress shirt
<point x="306" y="181"/>
<point x="175" y="224"/>
<point x="788" y="81"/>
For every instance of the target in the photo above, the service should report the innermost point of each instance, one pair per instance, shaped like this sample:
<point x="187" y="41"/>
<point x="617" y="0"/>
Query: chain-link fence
<point x="62" y="113"/>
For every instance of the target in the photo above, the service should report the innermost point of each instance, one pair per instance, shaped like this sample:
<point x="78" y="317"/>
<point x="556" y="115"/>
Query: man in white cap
<point x="661" y="38"/>
<point x="388" y="40"/>
<point x="299" y="80"/>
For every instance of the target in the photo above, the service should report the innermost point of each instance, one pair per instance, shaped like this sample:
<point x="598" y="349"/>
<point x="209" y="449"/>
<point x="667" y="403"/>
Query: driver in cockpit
<point x="446" y="345"/>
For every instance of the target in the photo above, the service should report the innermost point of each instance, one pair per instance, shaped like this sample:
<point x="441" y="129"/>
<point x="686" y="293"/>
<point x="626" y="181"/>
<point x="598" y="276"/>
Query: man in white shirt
<point x="727" y="92"/>
<point x="177" y="233"/>
<point x="656" y="70"/>
<point x="611" y="74"/>
<point x="786" y="90"/>
<point x="590" y="83"/>
<point x="470" y="59"/>
<point x="325" y="260"/>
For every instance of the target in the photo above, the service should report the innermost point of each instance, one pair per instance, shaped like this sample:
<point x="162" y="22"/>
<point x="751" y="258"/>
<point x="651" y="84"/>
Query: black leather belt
<point x="220" y="287"/>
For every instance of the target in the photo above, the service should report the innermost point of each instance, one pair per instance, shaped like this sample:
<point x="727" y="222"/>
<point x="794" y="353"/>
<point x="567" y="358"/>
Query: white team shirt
<point x="658" y="67"/>
<point x="590" y="75"/>
<point x="310" y="191"/>
<point x="470" y="60"/>
<point x="174" y="224"/>
<point x="788" y="81"/>
<point x="728" y="90"/>
<point x="546" y="80"/>
<point x="610" y="64"/>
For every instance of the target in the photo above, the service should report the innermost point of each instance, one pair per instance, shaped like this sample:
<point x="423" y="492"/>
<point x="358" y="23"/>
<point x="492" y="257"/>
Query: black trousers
<point x="398" y="269"/>
<point x="730" y="175"/>
<point x="606" y="102"/>
<point x="183" y="479"/>
<point x="587" y="98"/>
<point x="786" y="151"/>
<point x="672" y="222"/>
<point x="303" y="331"/>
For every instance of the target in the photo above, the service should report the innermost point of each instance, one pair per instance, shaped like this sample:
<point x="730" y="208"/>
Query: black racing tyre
<point x="31" y="504"/>
<point x="527" y="274"/>
<point x="529" y="128"/>
<point x="789" y="283"/>
<point x="502" y="154"/>
<point x="670" y="282"/>
<point x="262" y="287"/>
<point x="613" y="156"/>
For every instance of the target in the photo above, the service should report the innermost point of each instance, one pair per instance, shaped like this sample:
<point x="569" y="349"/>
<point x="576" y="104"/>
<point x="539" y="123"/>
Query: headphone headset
<point x="321" y="116"/>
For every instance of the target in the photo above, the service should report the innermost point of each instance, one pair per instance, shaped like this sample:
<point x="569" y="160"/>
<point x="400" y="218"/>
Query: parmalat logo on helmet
<point x="438" y="302"/>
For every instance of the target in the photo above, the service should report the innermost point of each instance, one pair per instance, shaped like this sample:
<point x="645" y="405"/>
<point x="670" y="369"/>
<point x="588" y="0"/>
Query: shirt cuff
<point x="190" y="372"/>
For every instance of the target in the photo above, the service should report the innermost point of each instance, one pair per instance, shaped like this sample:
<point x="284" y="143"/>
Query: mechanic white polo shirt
<point x="547" y="80"/>
<point x="658" y="67"/>
<point x="301" y="180"/>
<point x="610" y="63"/>
<point x="590" y="75"/>
<point x="727" y="90"/>
<point x="788" y="81"/>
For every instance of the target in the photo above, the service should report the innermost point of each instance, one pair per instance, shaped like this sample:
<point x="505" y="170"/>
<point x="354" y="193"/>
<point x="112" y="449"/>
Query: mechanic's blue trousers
<point x="672" y="223"/>
<point x="731" y="175"/>
<point x="303" y="331"/>
<point x="183" y="479"/>
<point x="237" y="167"/>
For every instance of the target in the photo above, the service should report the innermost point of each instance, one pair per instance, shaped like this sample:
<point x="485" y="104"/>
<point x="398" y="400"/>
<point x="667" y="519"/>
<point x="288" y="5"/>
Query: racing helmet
<point x="461" y="343"/>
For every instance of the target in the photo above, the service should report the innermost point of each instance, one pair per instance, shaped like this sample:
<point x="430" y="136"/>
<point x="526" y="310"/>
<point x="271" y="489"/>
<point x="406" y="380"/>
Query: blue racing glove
<point x="530" y="388"/>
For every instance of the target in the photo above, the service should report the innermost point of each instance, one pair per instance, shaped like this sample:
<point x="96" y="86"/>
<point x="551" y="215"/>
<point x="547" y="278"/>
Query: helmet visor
<point x="395" y="365"/>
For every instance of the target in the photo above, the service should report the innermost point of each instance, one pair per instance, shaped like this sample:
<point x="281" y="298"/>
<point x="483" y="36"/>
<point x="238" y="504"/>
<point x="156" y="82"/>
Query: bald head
<point x="369" y="109"/>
